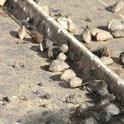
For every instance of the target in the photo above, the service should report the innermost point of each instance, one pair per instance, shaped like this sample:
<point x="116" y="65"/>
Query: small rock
<point x="22" y="33"/>
<point x="64" y="48"/>
<point x="106" y="60"/>
<point x="67" y="24"/>
<point x="75" y="82"/>
<point x="86" y="35"/>
<point x="94" y="31"/>
<point x="62" y="56"/>
<point x="112" y="109"/>
<point x="58" y="66"/>
<point x="105" y="51"/>
<point x="115" y="25"/>
<point x="63" y="22"/>
<point x="118" y="6"/>
<point x="71" y="26"/>
<point x="36" y="37"/>
<point x="118" y="33"/>
<point x="90" y="120"/>
<point x="103" y="36"/>
<point x="121" y="57"/>
<point x="67" y="75"/>
<point x="2" y="2"/>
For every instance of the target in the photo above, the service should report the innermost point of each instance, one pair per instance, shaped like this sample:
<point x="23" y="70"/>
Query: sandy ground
<point x="25" y="81"/>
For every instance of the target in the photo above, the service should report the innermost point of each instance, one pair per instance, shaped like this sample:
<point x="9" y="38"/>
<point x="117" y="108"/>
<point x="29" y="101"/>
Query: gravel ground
<point x="95" y="14"/>
<point x="30" y="93"/>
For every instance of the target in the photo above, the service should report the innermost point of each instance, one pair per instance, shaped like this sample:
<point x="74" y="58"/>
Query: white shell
<point x="103" y="36"/>
<point x="107" y="60"/>
<point x="86" y="36"/>
<point x="22" y="33"/>
<point x="64" y="48"/>
<point x="115" y="25"/>
<point x="67" y="75"/>
<point x="58" y="66"/>
<point x="118" y="6"/>
<point x="75" y="82"/>
<point x="2" y="2"/>
<point x="62" y="56"/>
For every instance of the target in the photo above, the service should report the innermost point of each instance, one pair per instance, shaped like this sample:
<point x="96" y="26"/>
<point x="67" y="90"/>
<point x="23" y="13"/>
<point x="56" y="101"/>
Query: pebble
<point x="86" y="35"/>
<point x="2" y="2"/>
<point x="94" y="31"/>
<point x="36" y="37"/>
<point x="67" y="75"/>
<point x="115" y="24"/>
<point x="105" y="51"/>
<point x="112" y="109"/>
<point x="22" y="33"/>
<point x="103" y="36"/>
<point x="62" y="56"/>
<point x="107" y="60"/>
<point x="118" y="33"/>
<point x="90" y="120"/>
<point x="75" y="82"/>
<point x="67" y="24"/>
<point x="118" y="6"/>
<point x="63" y="22"/>
<point x="64" y="48"/>
<point x="58" y="66"/>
